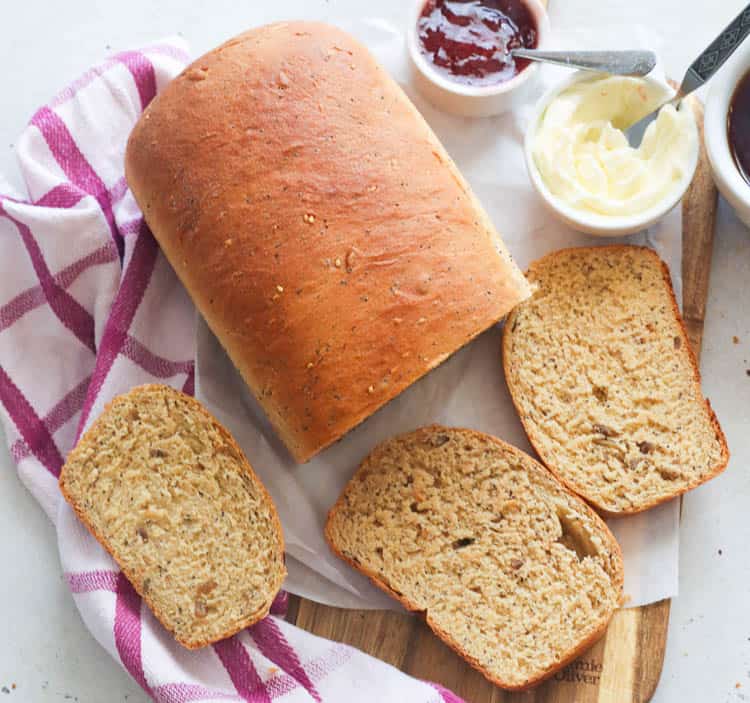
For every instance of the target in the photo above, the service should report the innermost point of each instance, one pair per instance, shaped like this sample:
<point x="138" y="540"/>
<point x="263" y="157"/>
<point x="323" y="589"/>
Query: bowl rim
<point x="731" y="182"/>
<point x="541" y="18"/>
<point x="612" y="225"/>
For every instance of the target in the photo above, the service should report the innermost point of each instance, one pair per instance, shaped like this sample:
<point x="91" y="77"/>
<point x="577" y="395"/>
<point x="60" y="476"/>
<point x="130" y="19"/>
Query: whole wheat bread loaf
<point x="509" y="568"/>
<point x="605" y="382"/>
<point x="318" y="224"/>
<point x="168" y="493"/>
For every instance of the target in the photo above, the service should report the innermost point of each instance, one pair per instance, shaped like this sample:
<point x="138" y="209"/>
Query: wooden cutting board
<point x="624" y="667"/>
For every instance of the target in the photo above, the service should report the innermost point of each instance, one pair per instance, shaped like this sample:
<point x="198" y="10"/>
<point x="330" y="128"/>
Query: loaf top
<point x="605" y="382"/>
<point x="513" y="571"/>
<point x="319" y="225"/>
<point x="168" y="493"/>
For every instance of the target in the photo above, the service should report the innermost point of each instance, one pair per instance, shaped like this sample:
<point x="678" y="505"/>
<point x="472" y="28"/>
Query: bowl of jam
<point x="461" y="52"/>
<point x="727" y="132"/>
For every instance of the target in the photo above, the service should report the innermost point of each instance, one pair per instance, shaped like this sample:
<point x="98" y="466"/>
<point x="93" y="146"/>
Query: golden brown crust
<point x="319" y="226"/>
<point x="590" y="639"/>
<point x="133" y="576"/>
<point x="533" y="439"/>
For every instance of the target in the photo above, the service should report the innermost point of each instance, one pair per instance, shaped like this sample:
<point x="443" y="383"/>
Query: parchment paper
<point x="469" y="389"/>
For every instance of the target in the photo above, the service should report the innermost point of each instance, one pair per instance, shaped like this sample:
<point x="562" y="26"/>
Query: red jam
<point x="470" y="40"/>
<point x="738" y="126"/>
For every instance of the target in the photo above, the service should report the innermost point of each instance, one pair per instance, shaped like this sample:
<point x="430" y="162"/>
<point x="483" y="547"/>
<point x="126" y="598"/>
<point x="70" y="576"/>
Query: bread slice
<point x="509" y="568"/>
<point x="605" y="382"/>
<point x="168" y="493"/>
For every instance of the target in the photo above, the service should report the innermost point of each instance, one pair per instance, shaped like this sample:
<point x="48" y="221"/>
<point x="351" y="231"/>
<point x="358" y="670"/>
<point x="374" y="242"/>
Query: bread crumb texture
<point x="600" y="369"/>
<point x="169" y="494"/>
<point x="510" y="569"/>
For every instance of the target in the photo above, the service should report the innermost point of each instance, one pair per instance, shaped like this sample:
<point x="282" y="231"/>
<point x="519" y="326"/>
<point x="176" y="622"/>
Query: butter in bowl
<point x="582" y="166"/>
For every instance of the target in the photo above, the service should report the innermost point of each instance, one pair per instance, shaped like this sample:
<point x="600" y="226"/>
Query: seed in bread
<point x="168" y="493"/>
<point x="605" y="382"/>
<point x="509" y="568"/>
<point x="318" y="224"/>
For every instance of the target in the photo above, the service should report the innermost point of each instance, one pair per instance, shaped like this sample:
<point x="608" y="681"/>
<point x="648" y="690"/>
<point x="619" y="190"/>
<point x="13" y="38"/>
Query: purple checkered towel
<point x="89" y="308"/>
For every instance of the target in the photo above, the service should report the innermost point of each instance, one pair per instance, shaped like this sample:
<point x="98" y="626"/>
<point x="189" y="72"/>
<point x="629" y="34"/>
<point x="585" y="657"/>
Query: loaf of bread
<point x="318" y="224"/>
<point x="168" y="493"/>
<point x="605" y="382"/>
<point x="511" y="570"/>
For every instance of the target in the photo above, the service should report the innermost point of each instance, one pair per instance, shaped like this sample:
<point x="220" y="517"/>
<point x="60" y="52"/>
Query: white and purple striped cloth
<point x="89" y="308"/>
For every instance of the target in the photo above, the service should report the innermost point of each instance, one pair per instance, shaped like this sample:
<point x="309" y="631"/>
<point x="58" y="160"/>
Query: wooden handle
<point x="698" y="221"/>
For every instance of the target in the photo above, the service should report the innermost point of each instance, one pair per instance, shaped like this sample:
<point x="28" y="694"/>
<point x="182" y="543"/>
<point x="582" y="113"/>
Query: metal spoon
<point x="621" y="63"/>
<point x="707" y="63"/>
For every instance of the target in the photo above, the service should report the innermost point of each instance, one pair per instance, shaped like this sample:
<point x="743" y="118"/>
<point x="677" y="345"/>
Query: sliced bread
<point x="508" y="567"/>
<point x="169" y="494"/>
<point x="605" y="382"/>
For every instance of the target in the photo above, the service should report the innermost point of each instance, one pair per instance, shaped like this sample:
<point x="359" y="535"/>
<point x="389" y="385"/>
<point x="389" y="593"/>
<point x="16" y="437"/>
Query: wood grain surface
<point x="625" y="665"/>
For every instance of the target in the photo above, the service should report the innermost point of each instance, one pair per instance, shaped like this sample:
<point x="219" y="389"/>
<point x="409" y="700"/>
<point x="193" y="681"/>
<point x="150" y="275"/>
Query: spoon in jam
<point x="708" y="62"/>
<point x="619" y="63"/>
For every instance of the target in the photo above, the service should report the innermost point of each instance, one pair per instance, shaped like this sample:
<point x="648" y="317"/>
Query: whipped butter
<point x="584" y="158"/>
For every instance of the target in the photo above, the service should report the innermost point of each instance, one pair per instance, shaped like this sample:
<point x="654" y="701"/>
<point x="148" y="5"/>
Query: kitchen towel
<point x="89" y="308"/>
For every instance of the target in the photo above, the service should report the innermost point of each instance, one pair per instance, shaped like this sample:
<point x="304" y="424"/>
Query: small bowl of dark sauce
<point x="738" y="126"/>
<point x="461" y="52"/>
<point x="727" y="132"/>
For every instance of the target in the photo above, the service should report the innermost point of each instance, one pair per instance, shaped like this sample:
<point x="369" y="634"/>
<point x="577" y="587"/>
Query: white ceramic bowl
<point x="728" y="179"/>
<point x="467" y="100"/>
<point x="589" y="222"/>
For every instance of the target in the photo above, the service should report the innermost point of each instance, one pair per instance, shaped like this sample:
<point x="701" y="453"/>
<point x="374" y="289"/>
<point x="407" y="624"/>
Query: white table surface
<point x="44" y="648"/>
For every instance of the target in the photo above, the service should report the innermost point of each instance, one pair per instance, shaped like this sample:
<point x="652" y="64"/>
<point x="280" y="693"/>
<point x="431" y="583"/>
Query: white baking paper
<point x="469" y="389"/>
